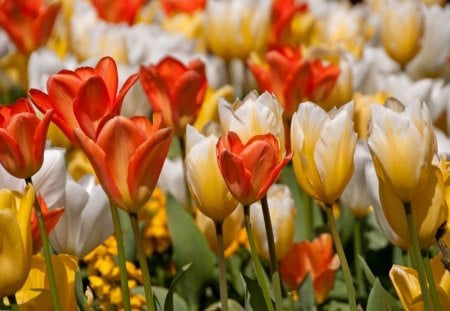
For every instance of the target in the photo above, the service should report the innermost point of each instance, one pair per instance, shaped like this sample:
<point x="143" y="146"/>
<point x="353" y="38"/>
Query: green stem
<point x="417" y="262"/>
<point x="188" y="206"/>
<point x="272" y="254"/>
<point x="142" y="262"/>
<point x="121" y="256"/>
<point x="47" y="252"/>
<point x="357" y="240"/>
<point x="13" y="303"/>
<point x="342" y="258"/>
<point x="222" y="267"/>
<point x="255" y="259"/>
<point x="431" y="282"/>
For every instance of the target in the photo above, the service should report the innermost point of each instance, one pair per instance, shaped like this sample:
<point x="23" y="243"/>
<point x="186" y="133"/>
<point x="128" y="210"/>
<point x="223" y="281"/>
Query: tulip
<point x="292" y="78"/>
<point x="175" y="90"/>
<point x="318" y="259"/>
<point x="15" y="239"/>
<point x="117" y="11"/>
<point x="236" y="28"/>
<point x="85" y="98"/>
<point x="255" y="115"/>
<point x="127" y="157"/>
<point x="172" y="7"/>
<point x="249" y="170"/>
<point x="282" y="214"/>
<point x="361" y="115"/>
<point x="209" y="191"/>
<point x="283" y="14"/>
<point x="86" y="221"/>
<point x="22" y="138"/>
<point x="406" y="284"/>
<point x="402" y="25"/>
<point x="28" y="22"/>
<point x="323" y="145"/>
<point x="402" y="144"/>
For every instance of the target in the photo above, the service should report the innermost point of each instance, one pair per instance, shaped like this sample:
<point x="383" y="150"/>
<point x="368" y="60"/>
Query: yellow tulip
<point x="206" y="184"/>
<point x="406" y="284"/>
<point x="361" y="115"/>
<point x="323" y="145"/>
<point x="402" y="144"/>
<point x="402" y="25"/>
<point x="15" y="239"/>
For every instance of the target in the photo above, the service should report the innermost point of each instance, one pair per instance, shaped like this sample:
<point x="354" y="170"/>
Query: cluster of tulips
<point x="140" y="137"/>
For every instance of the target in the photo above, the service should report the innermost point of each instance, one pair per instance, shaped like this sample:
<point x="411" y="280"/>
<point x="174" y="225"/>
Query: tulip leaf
<point x="379" y="299"/>
<point x="189" y="246"/>
<point x="254" y="299"/>
<point x="306" y="294"/>
<point x="128" y="237"/>
<point x="168" y="302"/>
<point x="160" y="294"/>
<point x="79" y="292"/>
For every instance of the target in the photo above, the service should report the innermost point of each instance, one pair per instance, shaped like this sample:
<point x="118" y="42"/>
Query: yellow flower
<point x="323" y="145"/>
<point x="206" y="184"/>
<point x="190" y="25"/>
<point x="35" y="294"/>
<point x="402" y="144"/>
<point x="406" y="284"/>
<point x="209" y="111"/>
<point x="15" y="239"/>
<point x="402" y="25"/>
<point x="342" y="91"/>
<point x="78" y="164"/>
<point x="361" y="115"/>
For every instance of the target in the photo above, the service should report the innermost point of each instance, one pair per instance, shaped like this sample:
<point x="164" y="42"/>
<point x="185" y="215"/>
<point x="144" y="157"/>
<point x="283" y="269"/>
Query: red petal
<point x="107" y="70"/>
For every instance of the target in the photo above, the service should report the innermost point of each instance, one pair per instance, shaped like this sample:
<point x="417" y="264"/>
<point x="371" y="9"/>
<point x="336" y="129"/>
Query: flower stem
<point x="272" y="254"/>
<point x="255" y="259"/>
<point x="47" y="252"/>
<point x="362" y="291"/>
<point x="13" y="303"/>
<point x="431" y="282"/>
<point x="342" y="258"/>
<point x="417" y="259"/>
<point x="142" y="262"/>
<point x="121" y="256"/>
<point x="222" y="267"/>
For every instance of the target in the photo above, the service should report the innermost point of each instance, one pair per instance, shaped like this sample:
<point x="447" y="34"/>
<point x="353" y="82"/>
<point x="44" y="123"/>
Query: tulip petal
<point x="10" y="153"/>
<point x="107" y="70"/>
<point x="123" y="91"/>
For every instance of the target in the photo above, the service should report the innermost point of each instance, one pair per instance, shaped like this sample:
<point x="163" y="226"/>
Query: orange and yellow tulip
<point x="28" y="22"/>
<point x="172" y="7"/>
<point x="318" y="259"/>
<point x="249" y="170"/>
<point x="175" y="90"/>
<point x="22" y="138"/>
<point x="127" y="157"/>
<point x="118" y="11"/>
<point x="85" y="98"/>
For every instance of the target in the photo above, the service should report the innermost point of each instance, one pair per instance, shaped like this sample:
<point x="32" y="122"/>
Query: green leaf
<point x="376" y="238"/>
<point x="189" y="246"/>
<point x="306" y="294"/>
<point x="254" y="299"/>
<point x="378" y="300"/>
<point x="128" y="237"/>
<point x="168" y="303"/>
<point x="160" y="294"/>
<point x="79" y="292"/>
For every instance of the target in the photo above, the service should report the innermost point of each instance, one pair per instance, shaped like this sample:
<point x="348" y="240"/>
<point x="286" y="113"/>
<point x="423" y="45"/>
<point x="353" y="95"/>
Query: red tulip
<point x="294" y="79"/>
<point x="85" y="98"/>
<point x="28" y="22"/>
<point x="318" y="259"/>
<point x="283" y="13"/>
<point x="51" y="218"/>
<point x="172" y="7"/>
<point x="22" y="138"/>
<point x="175" y="90"/>
<point x="117" y="11"/>
<point x="249" y="170"/>
<point x="127" y="157"/>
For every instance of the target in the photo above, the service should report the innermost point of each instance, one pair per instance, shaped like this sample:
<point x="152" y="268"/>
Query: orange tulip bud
<point x="117" y="11"/>
<point x="127" y="157"/>
<point x="175" y="90"/>
<point x="172" y="7"/>
<point x="249" y="170"/>
<point x="85" y="98"/>
<point x="22" y="138"/>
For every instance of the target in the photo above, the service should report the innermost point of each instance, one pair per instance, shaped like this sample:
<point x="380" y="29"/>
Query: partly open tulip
<point x="406" y="284"/>
<point x="283" y="14"/>
<point x="250" y="169"/>
<point x="117" y="11"/>
<point x="127" y="157"/>
<point x="22" y="138"/>
<point x="28" y="22"/>
<point x="292" y="78"/>
<point x="175" y="90"/>
<point x="15" y="239"/>
<point x="85" y="98"/>
<point x="282" y="214"/>
<point x="209" y="191"/>
<point x="318" y="259"/>
<point x="323" y="145"/>
<point x="402" y="144"/>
